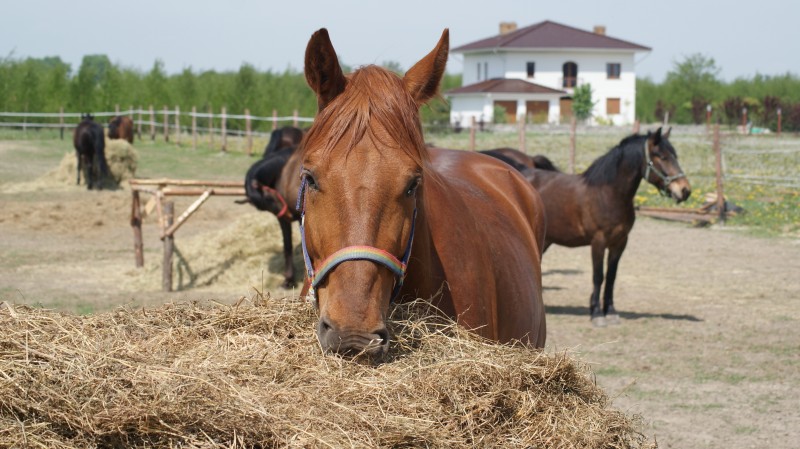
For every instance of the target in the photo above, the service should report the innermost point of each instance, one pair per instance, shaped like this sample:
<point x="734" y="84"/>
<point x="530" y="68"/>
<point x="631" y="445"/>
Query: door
<point x="566" y="109"/>
<point x="510" y="107"/>
<point x="537" y="111"/>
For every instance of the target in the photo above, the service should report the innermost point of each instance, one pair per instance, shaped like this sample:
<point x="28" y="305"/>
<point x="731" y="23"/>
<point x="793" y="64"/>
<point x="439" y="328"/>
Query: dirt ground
<point x="708" y="351"/>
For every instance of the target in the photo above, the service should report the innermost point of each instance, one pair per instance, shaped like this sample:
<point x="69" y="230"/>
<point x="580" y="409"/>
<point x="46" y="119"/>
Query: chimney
<point x="507" y="27"/>
<point x="600" y="29"/>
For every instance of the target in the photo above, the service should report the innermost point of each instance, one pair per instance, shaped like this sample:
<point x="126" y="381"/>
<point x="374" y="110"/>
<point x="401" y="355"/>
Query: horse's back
<point x="488" y="228"/>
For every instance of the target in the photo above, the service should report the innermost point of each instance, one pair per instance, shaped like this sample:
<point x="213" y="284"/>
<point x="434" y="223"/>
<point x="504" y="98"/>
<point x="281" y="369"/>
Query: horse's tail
<point x="543" y="163"/>
<point x="100" y="152"/>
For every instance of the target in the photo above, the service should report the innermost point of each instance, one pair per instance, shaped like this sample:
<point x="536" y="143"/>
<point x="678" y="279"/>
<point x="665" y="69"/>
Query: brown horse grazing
<point x="520" y="160"/>
<point x="375" y="202"/>
<point x="120" y="127"/>
<point x="596" y="208"/>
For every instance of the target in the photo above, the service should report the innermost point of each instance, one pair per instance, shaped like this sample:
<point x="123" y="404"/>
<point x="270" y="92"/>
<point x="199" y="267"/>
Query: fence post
<point x="472" y="134"/>
<point x="130" y="112"/>
<point x="573" y="126"/>
<point x="152" y="124"/>
<point x="708" y="117"/>
<point x="666" y="118"/>
<point x="779" y="122"/>
<point x="177" y="125"/>
<point x="210" y="126"/>
<point x="274" y="119"/>
<point x="522" y="144"/>
<point x="718" y="164"/>
<point x="248" y="129"/>
<point x="224" y="132"/>
<point x="139" y="124"/>
<point x="636" y="126"/>
<point x="166" y="125"/>
<point x="194" y="127"/>
<point x="294" y="122"/>
<point x="744" y="120"/>
<point x="136" y="224"/>
<point x="169" y="247"/>
<point x="61" y="120"/>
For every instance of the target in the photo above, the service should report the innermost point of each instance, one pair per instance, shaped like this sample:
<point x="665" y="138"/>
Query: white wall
<point x="549" y="72"/>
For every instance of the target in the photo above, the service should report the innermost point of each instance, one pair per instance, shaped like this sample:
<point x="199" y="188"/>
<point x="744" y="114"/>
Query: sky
<point x="743" y="38"/>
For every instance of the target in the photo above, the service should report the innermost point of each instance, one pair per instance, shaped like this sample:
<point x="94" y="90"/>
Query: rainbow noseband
<point x="358" y="252"/>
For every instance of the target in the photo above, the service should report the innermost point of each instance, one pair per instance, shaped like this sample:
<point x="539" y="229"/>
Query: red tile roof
<point x="504" y="85"/>
<point x="549" y="34"/>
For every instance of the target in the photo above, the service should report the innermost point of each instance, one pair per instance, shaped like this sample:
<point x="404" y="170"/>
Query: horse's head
<point x="113" y="127"/>
<point x="662" y="168"/>
<point x="363" y="162"/>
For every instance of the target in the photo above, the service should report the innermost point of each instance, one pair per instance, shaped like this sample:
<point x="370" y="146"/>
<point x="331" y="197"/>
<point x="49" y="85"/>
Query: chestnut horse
<point x="120" y="127"/>
<point x="89" y="143"/>
<point x="596" y="208"/>
<point x="384" y="217"/>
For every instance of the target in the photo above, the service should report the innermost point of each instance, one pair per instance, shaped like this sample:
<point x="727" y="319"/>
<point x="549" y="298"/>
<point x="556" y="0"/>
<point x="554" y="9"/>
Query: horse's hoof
<point x="599" y="321"/>
<point x="613" y="319"/>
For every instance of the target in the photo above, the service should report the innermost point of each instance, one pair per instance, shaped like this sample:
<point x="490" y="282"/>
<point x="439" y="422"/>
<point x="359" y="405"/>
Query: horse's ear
<point x="655" y="139"/>
<point x="422" y="80"/>
<point x="666" y="133"/>
<point x="323" y="73"/>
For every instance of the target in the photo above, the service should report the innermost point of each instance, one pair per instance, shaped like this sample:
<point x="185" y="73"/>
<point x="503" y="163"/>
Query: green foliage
<point x="582" y="104"/>
<point x="499" y="114"/>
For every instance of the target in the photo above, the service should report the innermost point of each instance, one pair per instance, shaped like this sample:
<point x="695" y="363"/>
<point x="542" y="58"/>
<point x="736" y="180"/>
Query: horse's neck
<point x="629" y="174"/>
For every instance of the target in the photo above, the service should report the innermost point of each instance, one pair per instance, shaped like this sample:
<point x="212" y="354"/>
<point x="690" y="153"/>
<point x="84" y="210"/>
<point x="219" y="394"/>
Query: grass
<point x="770" y="209"/>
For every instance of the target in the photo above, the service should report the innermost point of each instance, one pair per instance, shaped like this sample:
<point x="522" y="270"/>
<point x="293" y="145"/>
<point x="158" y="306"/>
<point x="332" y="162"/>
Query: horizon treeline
<point x="47" y="84"/>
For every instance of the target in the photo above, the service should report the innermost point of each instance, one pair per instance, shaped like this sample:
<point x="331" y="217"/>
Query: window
<point x="486" y="70"/>
<point x="570" y="72"/>
<point x="612" y="106"/>
<point x="531" y="69"/>
<point x="479" y="71"/>
<point x="613" y="69"/>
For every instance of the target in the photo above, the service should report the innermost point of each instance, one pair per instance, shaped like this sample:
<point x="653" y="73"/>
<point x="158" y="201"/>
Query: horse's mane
<point x="372" y="94"/>
<point x="604" y="170"/>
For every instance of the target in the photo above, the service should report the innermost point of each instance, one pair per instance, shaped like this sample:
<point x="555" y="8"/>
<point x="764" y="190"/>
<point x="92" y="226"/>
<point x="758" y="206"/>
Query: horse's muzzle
<point x="374" y="344"/>
<point x="680" y="190"/>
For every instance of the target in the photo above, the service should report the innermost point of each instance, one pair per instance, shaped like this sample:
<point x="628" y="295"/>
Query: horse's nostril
<point x="324" y="325"/>
<point x="383" y="334"/>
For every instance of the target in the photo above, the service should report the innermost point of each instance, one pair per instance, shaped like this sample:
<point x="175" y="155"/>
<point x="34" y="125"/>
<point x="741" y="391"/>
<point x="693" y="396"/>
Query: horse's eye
<point x="310" y="181"/>
<point x="412" y="186"/>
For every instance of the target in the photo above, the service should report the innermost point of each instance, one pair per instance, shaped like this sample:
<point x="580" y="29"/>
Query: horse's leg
<point x="614" y="254"/>
<point x="288" y="260"/>
<point x="598" y="253"/>
<point x="80" y="166"/>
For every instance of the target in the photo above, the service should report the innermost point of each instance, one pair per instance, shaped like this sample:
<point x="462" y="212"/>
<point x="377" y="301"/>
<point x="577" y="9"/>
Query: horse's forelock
<point x="372" y="93"/>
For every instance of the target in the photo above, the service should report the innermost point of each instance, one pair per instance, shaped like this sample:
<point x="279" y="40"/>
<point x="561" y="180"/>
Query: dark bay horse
<point x="264" y="192"/>
<point x="89" y="143"/>
<point x="121" y="127"/>
<point x="384" y="217"/>
<point x="596" y="207"/>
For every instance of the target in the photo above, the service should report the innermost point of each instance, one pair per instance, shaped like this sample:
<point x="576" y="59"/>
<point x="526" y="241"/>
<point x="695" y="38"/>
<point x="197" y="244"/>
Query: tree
<point x="582" y="104"/>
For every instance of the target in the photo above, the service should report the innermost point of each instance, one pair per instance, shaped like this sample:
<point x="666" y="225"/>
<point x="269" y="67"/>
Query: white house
<point x="533" y="71"/>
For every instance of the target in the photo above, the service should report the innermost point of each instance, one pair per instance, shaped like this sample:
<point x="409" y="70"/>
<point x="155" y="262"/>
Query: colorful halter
<point x="284" y="206"/>
<point x="357" y="252"/>
<point x="667" y="180"/>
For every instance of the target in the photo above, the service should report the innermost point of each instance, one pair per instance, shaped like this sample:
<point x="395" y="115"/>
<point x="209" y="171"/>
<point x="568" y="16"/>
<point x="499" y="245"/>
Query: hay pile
<point x="251" y="375"/>
<point x="247" y="252"/>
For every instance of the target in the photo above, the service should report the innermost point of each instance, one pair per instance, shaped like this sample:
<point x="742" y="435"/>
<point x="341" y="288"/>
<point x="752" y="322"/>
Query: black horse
<point x="596" y="207"/>
<point x="90" y="152"/>
<point x="520" y="160"/>
<point x="261" y="188"/>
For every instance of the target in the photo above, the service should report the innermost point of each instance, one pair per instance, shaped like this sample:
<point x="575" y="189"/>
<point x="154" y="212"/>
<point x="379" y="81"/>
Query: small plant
<point x="582" y="104"/>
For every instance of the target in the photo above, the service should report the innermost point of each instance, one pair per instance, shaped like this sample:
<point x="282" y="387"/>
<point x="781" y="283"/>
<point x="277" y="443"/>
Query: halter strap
<point x="285" y="209"/>
<point x="357" y="252"/>
<point x="667" y="180"/>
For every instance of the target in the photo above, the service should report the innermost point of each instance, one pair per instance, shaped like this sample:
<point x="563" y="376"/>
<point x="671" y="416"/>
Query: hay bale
<point x="251" y="375"/>
<point x="122" y="160"/>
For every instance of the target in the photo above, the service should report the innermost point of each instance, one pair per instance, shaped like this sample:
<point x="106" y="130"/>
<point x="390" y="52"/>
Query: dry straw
<point x="252" y="375"/>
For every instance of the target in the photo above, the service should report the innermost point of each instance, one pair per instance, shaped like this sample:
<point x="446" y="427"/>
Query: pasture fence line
<point x="46" y="120"/>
